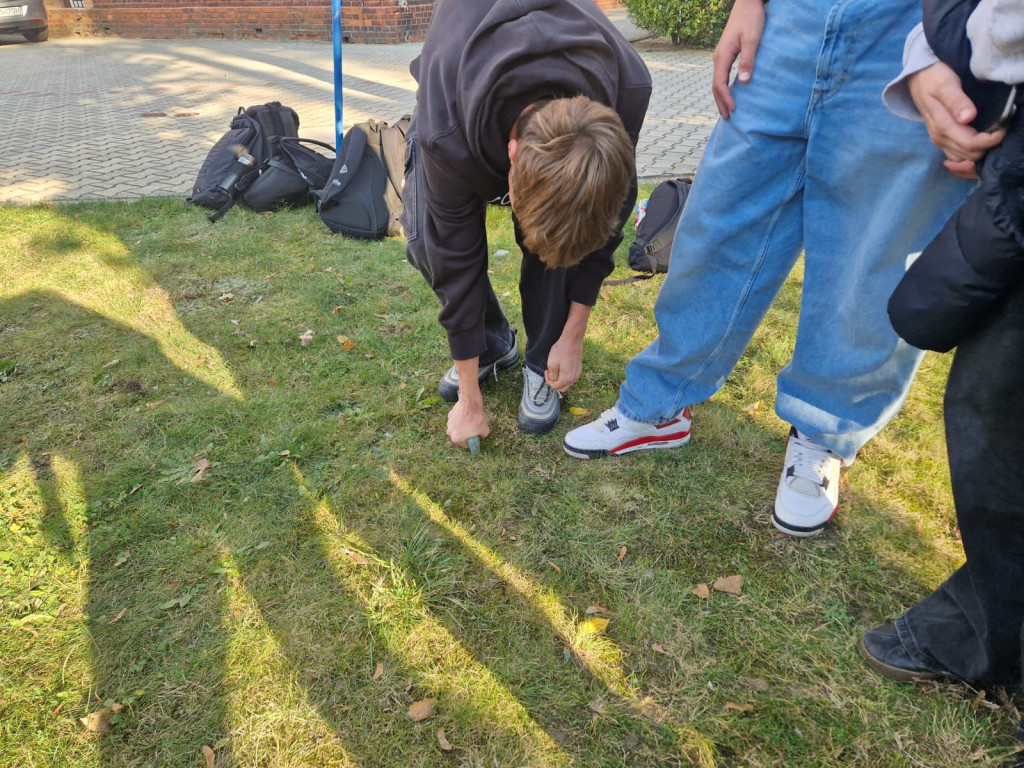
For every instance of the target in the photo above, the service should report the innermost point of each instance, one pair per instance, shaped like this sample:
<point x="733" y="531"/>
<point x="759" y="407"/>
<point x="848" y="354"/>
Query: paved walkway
<point x="108" y="118"/>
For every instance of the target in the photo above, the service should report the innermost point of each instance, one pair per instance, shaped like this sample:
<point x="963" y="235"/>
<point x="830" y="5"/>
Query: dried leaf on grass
<point x="622" y="553"/>
<point x="306" y="338"/>
<point x="753" y="408"/>
<point x="378" y="671"/>
<point x="597" y="706"/>
<point x="596" y="608"/>
<point x="209" y="755"/>
<point x="702" y="591"/>
<point x="98" y="721"/>
<point x="422" y="710"/>
<point x="557" y="569"/>
<point x="731" y="585"/>
<point x="580" y="412"/>
<point x="119" y="616"/>
<point x="659" y="648"/>
<point x="346" y="343"/>
<point x="202" y="467"/>
<point x="442" y="741"/>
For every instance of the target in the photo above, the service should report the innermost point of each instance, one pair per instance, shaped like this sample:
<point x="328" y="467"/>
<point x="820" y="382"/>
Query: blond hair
<point x="572" y="171"/>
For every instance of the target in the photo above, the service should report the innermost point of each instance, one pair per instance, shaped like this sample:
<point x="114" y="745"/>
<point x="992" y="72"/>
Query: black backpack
<point x="290" y="176"/>
<point x="222" y="176"/>
<point x="652" y="246"/>
<point x="363" y="197"/>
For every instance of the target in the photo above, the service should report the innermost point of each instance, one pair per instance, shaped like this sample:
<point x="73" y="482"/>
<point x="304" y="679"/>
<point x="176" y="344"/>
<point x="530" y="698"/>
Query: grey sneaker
<point x="539" y="408"/>
<point x="448" y="387"/>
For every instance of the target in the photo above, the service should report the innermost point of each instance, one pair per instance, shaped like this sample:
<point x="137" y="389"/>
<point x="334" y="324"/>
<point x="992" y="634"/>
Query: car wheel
<point x="37" y="35"/>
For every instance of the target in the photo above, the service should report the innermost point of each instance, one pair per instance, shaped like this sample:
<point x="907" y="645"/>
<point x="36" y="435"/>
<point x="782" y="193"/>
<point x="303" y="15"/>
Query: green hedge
<point x="693" y="22"/>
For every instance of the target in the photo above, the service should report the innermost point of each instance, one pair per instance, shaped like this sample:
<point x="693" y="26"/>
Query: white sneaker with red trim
<point x="808" y="492"/>
<point x="614" y="434"/>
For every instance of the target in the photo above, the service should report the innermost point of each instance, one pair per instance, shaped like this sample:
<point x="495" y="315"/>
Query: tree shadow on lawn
<point x="252" y="606"/>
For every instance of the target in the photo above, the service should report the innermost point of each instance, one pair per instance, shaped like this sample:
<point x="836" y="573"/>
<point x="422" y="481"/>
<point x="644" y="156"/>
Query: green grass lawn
<point x="234" y="533"/>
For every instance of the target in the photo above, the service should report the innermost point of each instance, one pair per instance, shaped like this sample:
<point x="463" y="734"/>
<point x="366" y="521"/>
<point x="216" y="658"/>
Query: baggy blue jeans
<point x="810" y="159"/>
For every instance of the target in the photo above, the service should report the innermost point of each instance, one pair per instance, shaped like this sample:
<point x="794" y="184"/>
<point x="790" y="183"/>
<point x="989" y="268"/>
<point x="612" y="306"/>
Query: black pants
<point x="973" y="624"/>
<point x="544" y="293"/>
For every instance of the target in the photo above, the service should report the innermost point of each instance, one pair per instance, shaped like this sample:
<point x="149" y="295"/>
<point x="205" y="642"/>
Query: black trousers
<point x="545" y="293"/>
<point x="973" y="624"/>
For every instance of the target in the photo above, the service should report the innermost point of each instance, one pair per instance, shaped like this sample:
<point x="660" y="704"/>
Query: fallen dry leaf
<point x="739" y="707"/>
<point x="336" y="310"/>
<point x="209" y="755"/>
<point x="732" y="585"/>
<point x="226" y="297"/>
<point x="119" y="616"/>
<point x="658" y="648"/>
<point x="98" y="721"/>
<point x="702" y="591"/>
<point x="422" y="710"/>
<point x="596" y="608"/>
<point x="442" y="741"/>
<point x="593" y="626"/>
<point x="557" y="569"/>
<point x="133" y="490"/>
<point x="346" y="343"/>
<point x="116" y="707"/>
<point x="155" y="404"/>
<point x="577" y="411"/>
<point x="622" y="553"/>
<point x="753" y="408"/>
<point x="202" y="466"/>
<point x="377" y="671"/>
<point x="596" y="706"/>
<point x="112" y="363"/>
<point x="306" y="338"/>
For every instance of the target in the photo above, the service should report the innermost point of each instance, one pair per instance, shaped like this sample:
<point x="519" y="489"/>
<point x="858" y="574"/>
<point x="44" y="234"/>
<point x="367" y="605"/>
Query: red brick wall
<point x="363" y="21"/>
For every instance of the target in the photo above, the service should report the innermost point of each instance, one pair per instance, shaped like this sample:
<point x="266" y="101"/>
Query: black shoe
<point x="885" y="652"/>
<point x="448" y="387"/>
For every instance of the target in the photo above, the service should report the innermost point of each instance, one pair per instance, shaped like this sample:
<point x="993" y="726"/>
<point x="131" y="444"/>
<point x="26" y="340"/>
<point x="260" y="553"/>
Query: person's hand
<point x="740" y="38"/>
<point x="947" y="112"/>
<point x="565" y="363"/>
<point x="466" y="420"/>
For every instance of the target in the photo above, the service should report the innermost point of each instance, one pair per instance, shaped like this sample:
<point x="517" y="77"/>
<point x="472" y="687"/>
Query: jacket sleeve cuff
<point x="917" y="55"/>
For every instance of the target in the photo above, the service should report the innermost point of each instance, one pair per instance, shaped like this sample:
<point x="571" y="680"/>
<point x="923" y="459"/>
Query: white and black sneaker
<point x="448" y="387"/>
<point x="540" y="406"/>
<point x="613" y="434"/>
<point x="808" y="492"/>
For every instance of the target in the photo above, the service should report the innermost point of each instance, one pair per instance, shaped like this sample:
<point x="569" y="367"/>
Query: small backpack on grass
<point x="239" y="156"/>
<point x="363" y="197"/>
<point x="652" y="247"/>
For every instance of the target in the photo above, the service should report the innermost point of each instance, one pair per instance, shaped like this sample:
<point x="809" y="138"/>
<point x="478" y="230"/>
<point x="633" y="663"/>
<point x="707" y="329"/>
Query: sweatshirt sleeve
<point x="917" y="55"/>
<point x="996" y="32"/>
<point x="455" y="241"/>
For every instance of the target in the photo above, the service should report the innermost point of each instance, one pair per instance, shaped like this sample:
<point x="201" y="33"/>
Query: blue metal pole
<point x="339" y="129"/>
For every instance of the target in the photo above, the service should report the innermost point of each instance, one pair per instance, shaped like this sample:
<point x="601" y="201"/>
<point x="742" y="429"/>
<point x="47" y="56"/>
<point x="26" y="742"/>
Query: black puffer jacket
<point x="978" y="257"/>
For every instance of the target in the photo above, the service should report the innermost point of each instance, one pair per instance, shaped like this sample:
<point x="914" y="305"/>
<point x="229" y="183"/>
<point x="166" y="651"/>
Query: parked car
<point x="26" y="17"/>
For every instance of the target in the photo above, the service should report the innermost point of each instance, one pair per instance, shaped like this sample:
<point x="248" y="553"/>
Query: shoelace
<point x="809" y="464"/>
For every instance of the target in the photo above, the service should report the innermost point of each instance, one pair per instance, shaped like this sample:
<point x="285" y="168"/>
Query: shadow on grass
<point x="248" y="611"/>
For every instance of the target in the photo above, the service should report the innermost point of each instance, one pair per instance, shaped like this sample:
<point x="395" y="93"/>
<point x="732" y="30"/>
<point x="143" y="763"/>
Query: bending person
<point x="535" y="104"/>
